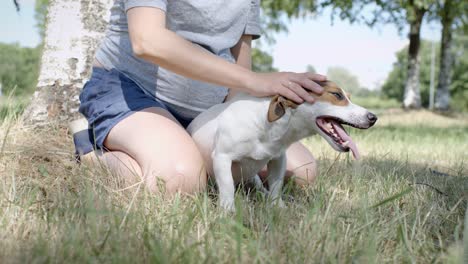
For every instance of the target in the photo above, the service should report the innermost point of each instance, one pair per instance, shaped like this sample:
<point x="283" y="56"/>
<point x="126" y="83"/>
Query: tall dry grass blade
<point x="130" y="205"/>
<point x="7" y="132"/>
<point x="393" y="197"/>
<point x="465" y="238"/>
<point x="333" y="163"/>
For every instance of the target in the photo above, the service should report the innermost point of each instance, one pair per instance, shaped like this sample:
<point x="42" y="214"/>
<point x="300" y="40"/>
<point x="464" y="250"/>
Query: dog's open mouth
<point x="333" y="128"/>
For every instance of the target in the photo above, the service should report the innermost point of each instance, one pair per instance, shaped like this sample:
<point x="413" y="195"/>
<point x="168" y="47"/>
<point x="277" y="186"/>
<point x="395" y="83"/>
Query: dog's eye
<point x="338" y="96"/>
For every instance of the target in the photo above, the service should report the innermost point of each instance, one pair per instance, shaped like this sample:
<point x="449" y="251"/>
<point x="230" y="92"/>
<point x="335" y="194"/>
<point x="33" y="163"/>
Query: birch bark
<point x="412" y="96"/>
<point x="73" y="32"/>
<point x="442" y="99"/>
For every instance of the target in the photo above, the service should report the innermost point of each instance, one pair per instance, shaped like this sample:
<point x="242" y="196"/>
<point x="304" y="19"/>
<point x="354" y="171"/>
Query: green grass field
<point x="404" y="202"/>
<point x="12" y="107"/>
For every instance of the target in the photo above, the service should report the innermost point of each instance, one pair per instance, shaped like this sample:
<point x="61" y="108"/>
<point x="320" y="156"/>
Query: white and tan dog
<point x="252" y="132"/>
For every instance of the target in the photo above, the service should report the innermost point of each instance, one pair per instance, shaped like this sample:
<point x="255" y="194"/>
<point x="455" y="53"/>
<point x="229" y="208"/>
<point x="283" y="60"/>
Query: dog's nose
<point x="372" y="118"/>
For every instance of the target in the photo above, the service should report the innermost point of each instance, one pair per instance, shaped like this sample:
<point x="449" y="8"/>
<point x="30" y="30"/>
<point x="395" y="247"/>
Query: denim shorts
<point x="106" y="99"/>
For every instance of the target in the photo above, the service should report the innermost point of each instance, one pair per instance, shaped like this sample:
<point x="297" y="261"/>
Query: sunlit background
<point x="405" y="201"/>
<point x="358" y="56"/>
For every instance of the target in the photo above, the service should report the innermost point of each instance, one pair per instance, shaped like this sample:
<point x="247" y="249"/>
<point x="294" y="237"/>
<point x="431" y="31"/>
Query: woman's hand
<point x="294" y="86"/>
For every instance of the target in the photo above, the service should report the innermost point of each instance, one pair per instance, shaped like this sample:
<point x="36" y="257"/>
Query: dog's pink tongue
<point x="352" y="146"/>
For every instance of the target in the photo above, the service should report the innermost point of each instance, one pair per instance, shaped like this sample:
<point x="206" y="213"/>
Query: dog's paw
<point x="228" y="206"/>
<point x="259" y="185"/>
<point x="279" y="203"/>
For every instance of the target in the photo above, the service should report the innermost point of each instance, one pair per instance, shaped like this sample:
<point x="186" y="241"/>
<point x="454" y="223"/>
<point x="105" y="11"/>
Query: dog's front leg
<point x="223" y="174"/>
<point x="257" y="182"/>
<point x="276" y="171"/>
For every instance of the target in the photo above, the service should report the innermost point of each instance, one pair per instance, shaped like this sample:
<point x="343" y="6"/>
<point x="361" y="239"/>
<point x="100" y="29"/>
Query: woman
<point x="160" y="65"/>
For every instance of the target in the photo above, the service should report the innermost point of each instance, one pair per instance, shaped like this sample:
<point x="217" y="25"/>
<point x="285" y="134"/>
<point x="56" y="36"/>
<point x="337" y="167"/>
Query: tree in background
<point x="393" y="86"/>
<point x="459" y="80"/>
<point x="262" y="61"/>
<point x="40" y="8"/>
<point x="273" y="20"/>
<point x="400" y="13"/>
<point x="61" y="79"/>
<point x="415" y="11"/>
<point x="67" y="57"/>
<point x="19" y="66"/>
<point x="18" y="69"/>
<point x="41" y="16"/>
<point x="451" y="14"/>
<point x="17" y="6"/>
<point x="344" y="78"/>
<point x="396" y="80"/>
<point x="310" y="68"/>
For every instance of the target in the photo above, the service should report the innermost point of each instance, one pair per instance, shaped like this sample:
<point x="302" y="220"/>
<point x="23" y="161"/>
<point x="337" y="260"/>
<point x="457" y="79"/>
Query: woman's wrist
<point x="249" y="81"/>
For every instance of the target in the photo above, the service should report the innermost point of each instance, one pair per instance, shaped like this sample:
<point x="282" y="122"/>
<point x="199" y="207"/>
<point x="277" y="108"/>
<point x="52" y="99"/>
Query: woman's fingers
<point x="290" y="94"/>
<point x="294" y="86"/>
<point x="297" y="89"/>
<point x="316" y="77"/>
<point x="304" y="81"/>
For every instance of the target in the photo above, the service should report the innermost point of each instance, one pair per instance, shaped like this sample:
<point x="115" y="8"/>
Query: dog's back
<point x="236" y="128"/>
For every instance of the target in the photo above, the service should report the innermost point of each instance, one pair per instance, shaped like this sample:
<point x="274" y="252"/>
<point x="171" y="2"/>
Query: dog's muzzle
<point x="372" y="118"/>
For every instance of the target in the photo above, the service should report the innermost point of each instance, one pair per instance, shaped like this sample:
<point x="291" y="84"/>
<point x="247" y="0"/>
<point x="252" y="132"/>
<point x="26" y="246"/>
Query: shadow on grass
<point x="56" y="211"/>
<point x="447" y="183"/>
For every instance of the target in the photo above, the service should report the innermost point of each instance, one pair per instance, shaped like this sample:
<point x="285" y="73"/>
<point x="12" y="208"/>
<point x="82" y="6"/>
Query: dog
<point x="252" y="132"/>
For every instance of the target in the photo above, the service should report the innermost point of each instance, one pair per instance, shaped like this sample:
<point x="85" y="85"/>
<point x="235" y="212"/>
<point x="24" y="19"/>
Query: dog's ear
<point x="278" y="107"/>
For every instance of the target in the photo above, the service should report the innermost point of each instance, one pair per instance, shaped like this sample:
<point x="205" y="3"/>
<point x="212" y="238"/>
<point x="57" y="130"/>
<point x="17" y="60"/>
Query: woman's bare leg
<point x="162" y="152"/>
<point x="301" y="164"/>
<point x="122" y="166"/>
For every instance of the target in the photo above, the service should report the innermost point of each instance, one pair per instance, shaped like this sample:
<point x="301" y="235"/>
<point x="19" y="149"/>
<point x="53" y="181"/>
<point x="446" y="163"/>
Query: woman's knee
<point x="301" y="165"/>
<point x="168" y="157"/>
<point x="185" y="175"/>
<point x="304" y="174"/>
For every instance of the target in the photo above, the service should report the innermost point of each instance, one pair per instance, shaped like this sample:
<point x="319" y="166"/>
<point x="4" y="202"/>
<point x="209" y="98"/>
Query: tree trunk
<point x="442" y="100"/>
<point x="74" y="29"/>
<point x="412" y="97"/>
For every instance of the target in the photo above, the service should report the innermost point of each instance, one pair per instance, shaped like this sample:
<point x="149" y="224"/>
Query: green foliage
<point x="41" y="15"/>
<point x="395" y="83"/>
<point x="374" y="101"/>
<point x="453" y="11"/>
<point x="310" y="68"/>
<point x="344" y="78"/>
<point x="350" y="83"/>
<point x="459" y="85"/>
<point x="262" y="61"/>
<point x="290" y="8"/>
<point x="275" y="12"/>
<point x="19" y="68"/>
<point x="12" y="108"/>
<point x="373" y="12"/>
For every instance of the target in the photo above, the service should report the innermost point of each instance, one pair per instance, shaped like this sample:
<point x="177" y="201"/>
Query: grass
<point x="404" y="202"/>
<point x="375" y="102"/>
<point x="12" y="107"/>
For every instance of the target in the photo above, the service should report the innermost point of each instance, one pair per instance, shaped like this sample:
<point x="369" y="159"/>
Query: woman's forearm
<point x="242" y="53"/>
<point x="170" y="51"/>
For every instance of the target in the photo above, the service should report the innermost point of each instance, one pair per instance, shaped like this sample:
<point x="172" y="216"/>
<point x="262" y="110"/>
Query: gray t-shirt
<point x="214" y="25"/>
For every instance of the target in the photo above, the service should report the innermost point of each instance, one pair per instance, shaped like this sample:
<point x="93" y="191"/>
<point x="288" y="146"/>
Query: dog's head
<point x="328" y="114"/>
